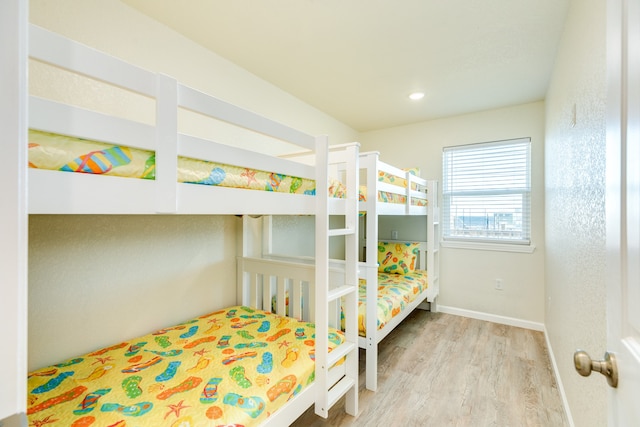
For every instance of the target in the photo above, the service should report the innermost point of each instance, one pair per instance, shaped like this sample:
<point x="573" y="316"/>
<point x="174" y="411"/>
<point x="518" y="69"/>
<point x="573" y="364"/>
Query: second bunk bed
<point x="249" y="364"/>
<point x="398" y="273"/>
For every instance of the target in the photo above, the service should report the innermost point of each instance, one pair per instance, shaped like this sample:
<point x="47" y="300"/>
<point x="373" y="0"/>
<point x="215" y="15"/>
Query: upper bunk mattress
<point x="64" y="153"/>
<point x="389" y="197"/>
<point x="231" y="367"/>
<point x="53" y="151"/>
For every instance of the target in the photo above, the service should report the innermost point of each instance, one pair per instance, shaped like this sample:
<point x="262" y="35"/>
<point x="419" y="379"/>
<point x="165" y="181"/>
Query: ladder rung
<point x="339" y="292"/>
<point x="339" y="352"/>
<point x="341" y="232"/>
<point x="339" y="390"/>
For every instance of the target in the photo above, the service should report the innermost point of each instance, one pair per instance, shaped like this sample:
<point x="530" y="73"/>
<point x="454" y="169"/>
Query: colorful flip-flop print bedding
<point x="231" y="367"/>
<point x="387" y="197"/>
<point x="64" y="153"/>
<point x="395" y="291"/>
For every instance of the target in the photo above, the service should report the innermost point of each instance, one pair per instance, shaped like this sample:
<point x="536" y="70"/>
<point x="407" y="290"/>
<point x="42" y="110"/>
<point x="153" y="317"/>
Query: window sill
<point x="486" y="246"/>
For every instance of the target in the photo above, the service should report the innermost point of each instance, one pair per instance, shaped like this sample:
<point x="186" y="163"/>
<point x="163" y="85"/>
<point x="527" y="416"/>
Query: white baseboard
<point x="511" y="321"/>
<point x="521" y="324"/>
<point x="554" y="365"/>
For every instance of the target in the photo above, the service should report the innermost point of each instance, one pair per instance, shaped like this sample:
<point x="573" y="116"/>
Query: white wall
<point x="92" y="277"/>
<point x="575" y="207"/>
<point x="467" y="277"/>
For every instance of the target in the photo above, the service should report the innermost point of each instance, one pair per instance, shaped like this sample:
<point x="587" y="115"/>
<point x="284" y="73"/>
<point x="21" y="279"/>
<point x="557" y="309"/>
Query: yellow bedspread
<point x="395" y="291"/>
<point x="231" y="367"/>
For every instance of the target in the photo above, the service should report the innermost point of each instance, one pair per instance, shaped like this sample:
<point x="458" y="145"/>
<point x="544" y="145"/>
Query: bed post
<point x="14" y="209"/>
<point x="247" y="247"/>
<point x="372" y="271"/>
<point x="167" y="144"/>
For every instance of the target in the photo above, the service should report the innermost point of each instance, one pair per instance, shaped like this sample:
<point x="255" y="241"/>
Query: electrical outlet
<point x="499" y="284"/>
<point x="394" y="234"/>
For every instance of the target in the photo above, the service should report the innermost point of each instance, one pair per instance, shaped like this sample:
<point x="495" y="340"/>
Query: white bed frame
<point x="370" y="166"/>
<point x="53" y="192"/>
<point x="429" y="250"/>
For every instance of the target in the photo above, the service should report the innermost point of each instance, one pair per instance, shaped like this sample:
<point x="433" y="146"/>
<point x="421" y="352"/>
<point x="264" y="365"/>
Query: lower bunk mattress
<point x="395" y="293"/>
<point x="235" y="366"/>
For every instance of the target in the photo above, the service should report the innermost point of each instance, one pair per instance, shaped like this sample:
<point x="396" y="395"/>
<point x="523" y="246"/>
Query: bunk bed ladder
<point x="333" y="381"/>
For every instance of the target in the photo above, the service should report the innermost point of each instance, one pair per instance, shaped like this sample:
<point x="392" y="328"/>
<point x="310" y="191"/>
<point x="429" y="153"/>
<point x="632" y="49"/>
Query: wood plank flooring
<point x="438" y="369"/>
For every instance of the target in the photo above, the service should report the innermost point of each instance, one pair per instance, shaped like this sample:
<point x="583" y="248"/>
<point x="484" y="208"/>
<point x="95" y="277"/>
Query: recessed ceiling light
<point x="416" y="95"/>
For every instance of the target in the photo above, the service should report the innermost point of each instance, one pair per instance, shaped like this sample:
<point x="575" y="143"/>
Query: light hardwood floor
<point x="438" y="369"/>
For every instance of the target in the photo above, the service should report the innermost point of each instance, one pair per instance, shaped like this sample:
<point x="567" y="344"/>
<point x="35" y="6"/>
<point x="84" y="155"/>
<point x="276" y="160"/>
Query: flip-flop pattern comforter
<point x="68" y="154"/>
<point x="387" y="197"/>
<point x="231" y="367"/>
<point x="395" y="291"/>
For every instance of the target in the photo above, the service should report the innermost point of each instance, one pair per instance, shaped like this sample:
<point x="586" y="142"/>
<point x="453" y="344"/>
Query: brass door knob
<point x="607" y="367"/>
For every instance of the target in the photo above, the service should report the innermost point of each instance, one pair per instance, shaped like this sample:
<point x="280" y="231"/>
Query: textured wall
<point x="95" y="280"/>
<point x="575" y="207"/>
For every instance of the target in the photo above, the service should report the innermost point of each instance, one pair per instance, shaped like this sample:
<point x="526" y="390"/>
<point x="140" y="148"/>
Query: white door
<point x="623" y="208"/>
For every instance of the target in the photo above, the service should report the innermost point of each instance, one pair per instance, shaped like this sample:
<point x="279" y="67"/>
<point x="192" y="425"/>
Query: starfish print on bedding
<point x="406" y="254"/>
<point x="250" y="175"/>
<point x="103" y="360"/>
<point x="175" y="409"/>
<point x="40" y="423"/>
<point x="284" y="343"/>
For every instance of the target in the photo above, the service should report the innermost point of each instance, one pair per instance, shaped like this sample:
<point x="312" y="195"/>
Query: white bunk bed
<point x="420" y="198"/>
<point x="335" y="372"/>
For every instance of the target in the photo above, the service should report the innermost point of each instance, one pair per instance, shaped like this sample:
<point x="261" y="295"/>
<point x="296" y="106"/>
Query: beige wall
<point x="575" y="207"/>
<point x="92" y="277"/>
<point x="96" y="280"/>
<point x="467" y="277"/>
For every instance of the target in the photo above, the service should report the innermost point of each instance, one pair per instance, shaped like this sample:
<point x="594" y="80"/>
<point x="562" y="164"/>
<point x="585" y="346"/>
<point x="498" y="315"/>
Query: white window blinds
<point x="487" y="192"/>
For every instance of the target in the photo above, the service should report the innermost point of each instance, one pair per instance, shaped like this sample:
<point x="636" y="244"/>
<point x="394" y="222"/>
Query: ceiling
<point x="358" y="60"/>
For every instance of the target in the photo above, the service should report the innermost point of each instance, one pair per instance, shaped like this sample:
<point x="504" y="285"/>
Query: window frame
<point x="486" y="242"/>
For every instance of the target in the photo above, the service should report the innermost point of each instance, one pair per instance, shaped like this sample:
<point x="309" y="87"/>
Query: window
<point x="487" y="192"/>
